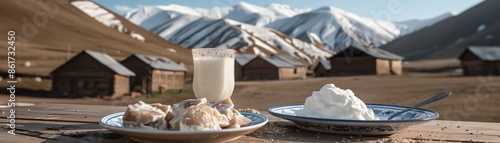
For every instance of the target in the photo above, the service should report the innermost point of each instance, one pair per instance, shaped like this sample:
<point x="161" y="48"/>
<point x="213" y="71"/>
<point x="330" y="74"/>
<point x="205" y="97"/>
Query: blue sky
<point x="387" y="10"/>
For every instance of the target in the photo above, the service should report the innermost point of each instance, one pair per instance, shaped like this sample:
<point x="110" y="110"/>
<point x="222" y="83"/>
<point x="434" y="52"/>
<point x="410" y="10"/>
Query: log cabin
<point x="300" y="70"/>
<point x="481" y="60"/>
<point x="91" y="74"/>
<point x="155" y="73"/>
<point x="322" y="68"/>
<point x="272" y="68"/>
<point x="356" y="60"/>
<point x="241" y="60"/>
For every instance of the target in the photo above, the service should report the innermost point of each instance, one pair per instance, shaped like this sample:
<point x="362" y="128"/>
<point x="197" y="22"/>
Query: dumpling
<point x="181" y="107"/>
<point x="199" y="118"/>
<point x="144" y="116"/>
<point x="236" y="120"/>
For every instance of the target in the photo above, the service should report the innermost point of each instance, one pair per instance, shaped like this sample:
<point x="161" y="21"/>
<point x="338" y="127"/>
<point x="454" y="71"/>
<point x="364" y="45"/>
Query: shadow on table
<point x="27" y="92"/>
<point x="67" y="132"/>
<point x="280" y="131"/>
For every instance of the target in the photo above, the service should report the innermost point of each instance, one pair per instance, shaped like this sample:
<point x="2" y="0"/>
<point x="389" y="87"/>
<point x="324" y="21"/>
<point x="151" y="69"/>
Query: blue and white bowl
<point x="358" y="127"/>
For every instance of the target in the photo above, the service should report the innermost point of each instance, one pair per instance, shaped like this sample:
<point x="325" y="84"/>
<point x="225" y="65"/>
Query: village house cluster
<point x="91" y="73"/>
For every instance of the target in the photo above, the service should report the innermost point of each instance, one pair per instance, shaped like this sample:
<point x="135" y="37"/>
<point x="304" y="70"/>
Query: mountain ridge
<point x="417" y="24"/>
<point x="195" y="31"/>
<point x="447" y="39"/>
<point x="335" y="28"/>
<point x="349" y="28"/>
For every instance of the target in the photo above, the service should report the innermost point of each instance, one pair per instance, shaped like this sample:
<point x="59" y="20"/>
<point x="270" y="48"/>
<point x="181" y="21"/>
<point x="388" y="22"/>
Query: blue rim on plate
<point x="115" y="121"/>
<point x="357" y="127"/>
<point x="430" y="115"/>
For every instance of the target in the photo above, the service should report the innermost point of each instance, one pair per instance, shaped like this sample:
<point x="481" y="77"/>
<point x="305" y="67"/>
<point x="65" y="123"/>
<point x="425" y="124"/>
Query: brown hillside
<point x="44" y="30"/>
<point x="448" y="38"/>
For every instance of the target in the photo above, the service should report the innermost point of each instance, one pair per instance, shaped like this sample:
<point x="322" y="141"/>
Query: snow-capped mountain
<point x="237" y="29"/>
<point x="325" y="28"/>
<point x="251" y="14"/>
<point x="260" y="16"/>
<point x="337" y="29"/>
<point x="282" y="10"/>
<point x="242" y="12"/>
<point x="247" y="38"/>
<point x="413" y="25"/>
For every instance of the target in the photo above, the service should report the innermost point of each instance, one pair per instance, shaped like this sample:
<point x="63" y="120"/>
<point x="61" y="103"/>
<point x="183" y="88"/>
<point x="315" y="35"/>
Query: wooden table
<point x="68" y="123"/>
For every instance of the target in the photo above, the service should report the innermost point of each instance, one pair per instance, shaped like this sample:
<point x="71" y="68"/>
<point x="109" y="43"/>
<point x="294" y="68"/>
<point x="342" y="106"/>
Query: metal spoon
<point x="433" y="99"/>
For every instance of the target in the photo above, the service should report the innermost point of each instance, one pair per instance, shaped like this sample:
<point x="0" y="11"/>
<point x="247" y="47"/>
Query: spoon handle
<point x="433" y="99"/>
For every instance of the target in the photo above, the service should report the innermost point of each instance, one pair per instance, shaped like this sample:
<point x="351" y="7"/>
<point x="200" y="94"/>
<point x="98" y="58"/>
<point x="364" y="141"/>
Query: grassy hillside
<point x="45" y="30"/>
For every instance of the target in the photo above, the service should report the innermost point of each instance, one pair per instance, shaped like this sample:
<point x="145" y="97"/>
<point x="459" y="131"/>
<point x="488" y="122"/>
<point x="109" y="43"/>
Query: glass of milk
<point x="213" y="73"/>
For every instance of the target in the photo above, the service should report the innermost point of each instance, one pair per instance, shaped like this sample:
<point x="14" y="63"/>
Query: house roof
<point x="379" y="53"/>
<point x="159" y="62"/>
<point x="486" y="53"/>
<point x="325" y="63"/>
<point x="244" y="59"/>
<point x="277" y="62"/>
<point x="290" y="60"/>
<point x="110" y="62"/>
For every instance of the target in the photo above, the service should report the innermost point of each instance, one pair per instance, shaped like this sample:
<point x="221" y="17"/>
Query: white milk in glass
<point x="213" y="78"/>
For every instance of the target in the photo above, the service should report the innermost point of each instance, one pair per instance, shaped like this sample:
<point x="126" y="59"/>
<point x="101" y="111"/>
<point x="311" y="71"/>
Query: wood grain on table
<point x="54" y="123"/>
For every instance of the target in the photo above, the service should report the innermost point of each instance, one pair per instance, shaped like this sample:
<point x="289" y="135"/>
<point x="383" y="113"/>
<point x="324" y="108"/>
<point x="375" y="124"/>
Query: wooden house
<point x="91" y="74"/>
<point x="300" y="70"/>
<point x="270" y="68"/>
<point x="241" y="60"/>
<point x="155" y="73"/>
<point x="322" y="68"/>
<point x="365" y="61"/>
<point x="481" y="60"/>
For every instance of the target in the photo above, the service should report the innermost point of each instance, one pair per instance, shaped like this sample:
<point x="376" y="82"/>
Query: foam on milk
<point x="333" y="102"/>
<point x="213" y="77"/>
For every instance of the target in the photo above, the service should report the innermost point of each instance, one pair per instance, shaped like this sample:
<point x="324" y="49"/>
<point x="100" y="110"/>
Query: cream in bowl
<point x="335" y="103"/>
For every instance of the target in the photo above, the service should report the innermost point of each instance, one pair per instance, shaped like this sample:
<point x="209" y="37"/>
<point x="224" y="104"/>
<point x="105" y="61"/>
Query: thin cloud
<point x="123" y="8"/>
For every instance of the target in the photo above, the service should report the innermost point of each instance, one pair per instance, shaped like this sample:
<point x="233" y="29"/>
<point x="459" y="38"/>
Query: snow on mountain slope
<point x="251" y="14"/>
<point x="215" y="12"/>
<point x="328" y="27"/>
<point x="324" y="28"/>
<point x="158" y="18"/>
<point x="105" y="17"/>
<point x="196" y="28"/>
<point x="242" y="12"/>
<point x="411" y="26"/>
<point x="260" y="16"/>
<point x="337" y="29"/>
<point x="163" y="20"/>
<point x="159" y="13"/>
<point x="246" y="38"/>
<point x="282" y="10"/>
<point x="292" y="46"/>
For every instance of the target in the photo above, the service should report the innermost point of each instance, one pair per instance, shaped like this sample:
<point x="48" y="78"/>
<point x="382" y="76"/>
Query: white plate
<point x="114" y="123"/>
<point x="358" y="127"/>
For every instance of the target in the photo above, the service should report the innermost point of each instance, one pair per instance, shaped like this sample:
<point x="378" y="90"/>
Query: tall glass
<point x="213" y="73"/>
